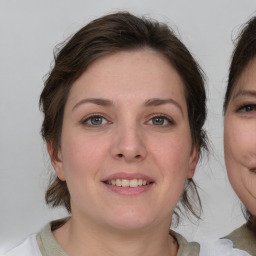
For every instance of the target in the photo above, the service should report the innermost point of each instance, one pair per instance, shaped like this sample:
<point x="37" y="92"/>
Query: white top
<point x="28" y="248"/>
<point x="223" y="247"/>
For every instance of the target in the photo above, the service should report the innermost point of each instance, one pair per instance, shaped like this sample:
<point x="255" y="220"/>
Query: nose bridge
<point x="129" y="143"/>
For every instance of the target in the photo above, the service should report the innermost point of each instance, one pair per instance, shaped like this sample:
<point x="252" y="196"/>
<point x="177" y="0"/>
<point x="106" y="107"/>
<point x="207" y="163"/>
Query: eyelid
<point x="87" y="117"/>
<point x="241" y="108"/>
<point x="167" y="117"/>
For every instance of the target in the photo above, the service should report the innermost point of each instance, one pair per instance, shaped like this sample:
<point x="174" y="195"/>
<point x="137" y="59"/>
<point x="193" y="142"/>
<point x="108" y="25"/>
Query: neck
<point x="84" y="238"/>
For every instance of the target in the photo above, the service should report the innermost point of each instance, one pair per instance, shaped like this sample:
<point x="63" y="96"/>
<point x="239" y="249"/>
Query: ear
<point x="193" y="162"/>
<point x="56" y="161"/>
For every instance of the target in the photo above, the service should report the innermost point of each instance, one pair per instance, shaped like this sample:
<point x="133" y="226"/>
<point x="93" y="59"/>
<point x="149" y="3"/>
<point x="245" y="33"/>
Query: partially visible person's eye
<point x="247" y="108"/>
<point x="161" y="121"/>
<point x="95" y="121"/>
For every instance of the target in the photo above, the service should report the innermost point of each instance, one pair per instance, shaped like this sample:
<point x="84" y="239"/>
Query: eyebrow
<point x="97" y="101"/>
<point x="148" y="103"/>
<point x="159" y="102"/>
<point x="242" y="93"/>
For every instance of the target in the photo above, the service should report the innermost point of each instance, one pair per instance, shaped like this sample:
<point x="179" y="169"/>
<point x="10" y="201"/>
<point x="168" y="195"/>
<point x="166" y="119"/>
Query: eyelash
<point x="244" y="108"/>
<point x="166" y="118"/>
<point x="160" y="116"/>
<point x="89" y="118"/>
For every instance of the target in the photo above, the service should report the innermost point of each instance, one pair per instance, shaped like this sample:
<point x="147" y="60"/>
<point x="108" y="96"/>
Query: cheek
<point x="240" y="142"/>
<point x="173" y="154"/>
<point x="81" y="156"/>
<point x="82" y="162"/>
<point x="173" y="159"/>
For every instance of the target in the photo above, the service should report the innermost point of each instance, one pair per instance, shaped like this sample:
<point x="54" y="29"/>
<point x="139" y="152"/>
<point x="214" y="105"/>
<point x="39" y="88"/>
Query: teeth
<point x="118" y="182"/>
<point x="128" y="183"/>
<point x="133" y="183"/>
<point x="125" y="183"/>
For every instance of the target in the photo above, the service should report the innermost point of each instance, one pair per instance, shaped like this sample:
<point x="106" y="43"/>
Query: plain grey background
<point x="29" y="30"/>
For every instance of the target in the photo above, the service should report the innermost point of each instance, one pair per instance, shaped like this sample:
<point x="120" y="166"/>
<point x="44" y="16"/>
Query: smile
<point x="133" y="183"/>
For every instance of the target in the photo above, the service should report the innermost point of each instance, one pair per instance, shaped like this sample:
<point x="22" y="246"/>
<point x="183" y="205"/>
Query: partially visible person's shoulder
<point x="186" y="248"/>
<point x="244" y="239"/>
<point x="27" y="248"/>
<point x="240" y="242"/>
<point x="223" y="247"/>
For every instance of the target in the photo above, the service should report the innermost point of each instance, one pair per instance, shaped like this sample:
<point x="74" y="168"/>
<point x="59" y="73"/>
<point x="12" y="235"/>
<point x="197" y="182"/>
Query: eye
<point x="161" y="121"/>
<point x="247" y="108"/>
<point x="95" y="120"/>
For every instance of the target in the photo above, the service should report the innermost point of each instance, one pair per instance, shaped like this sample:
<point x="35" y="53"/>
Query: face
<point x="126" y="147"/>
<point x="240" y="138"/>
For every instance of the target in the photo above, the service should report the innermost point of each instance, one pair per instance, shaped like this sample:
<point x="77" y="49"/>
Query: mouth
<point x="132" y="183"/>
<point x="129" y="184"/>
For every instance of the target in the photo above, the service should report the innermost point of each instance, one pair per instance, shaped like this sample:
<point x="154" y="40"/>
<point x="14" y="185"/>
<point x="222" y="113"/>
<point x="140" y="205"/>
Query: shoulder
<point x="244" y="239"/>
<point x="28" y="247"/>
<point x="41" y="244"/>
<point x="186" y="248"/>
<point x="46" y="240"/>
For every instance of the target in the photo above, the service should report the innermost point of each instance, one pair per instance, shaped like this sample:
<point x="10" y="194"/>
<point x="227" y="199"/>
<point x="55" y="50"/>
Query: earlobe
<point x="56" y="161"/>
<point x="193" y="162"/>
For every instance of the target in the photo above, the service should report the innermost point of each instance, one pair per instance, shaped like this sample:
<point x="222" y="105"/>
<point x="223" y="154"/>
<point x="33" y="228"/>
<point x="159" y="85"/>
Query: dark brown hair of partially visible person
<point x="112" y="33"/>
<point x="243" y="54"/>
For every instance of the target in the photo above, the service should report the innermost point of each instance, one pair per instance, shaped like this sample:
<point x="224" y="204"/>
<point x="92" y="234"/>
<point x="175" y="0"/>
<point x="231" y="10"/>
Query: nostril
<point x="122" y="155"/>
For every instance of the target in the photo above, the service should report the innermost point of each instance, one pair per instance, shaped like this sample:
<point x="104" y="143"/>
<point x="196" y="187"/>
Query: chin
<point x="130" y="221"/>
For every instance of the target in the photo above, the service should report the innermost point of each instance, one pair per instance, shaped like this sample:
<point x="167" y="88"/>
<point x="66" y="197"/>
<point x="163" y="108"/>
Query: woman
<point x="240" y="138"/>
<point x="122" y="140"/>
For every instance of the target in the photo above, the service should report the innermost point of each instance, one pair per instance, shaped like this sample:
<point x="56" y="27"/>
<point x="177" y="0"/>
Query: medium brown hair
<point x="244" y="52"/>
<point x="112" y="33"/>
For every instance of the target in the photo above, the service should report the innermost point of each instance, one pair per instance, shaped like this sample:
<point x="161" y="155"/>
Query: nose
<point x="129" y="144"/>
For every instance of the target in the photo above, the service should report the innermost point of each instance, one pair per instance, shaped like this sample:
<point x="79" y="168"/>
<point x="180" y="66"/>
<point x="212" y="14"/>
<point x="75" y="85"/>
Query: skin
<point x="240" y="138"/>
<point x="135" y="135"/>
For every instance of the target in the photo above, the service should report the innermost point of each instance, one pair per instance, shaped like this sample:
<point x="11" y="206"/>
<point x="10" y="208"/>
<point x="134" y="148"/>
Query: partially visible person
<point x="240" y="133"/>
<point x="240" y="142"/>
<point x="124" y="109"/>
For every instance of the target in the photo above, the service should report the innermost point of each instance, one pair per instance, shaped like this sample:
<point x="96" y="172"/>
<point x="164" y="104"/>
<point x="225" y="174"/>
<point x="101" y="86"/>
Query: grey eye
<point x="158" y="120"/>
<point x="95" y="121"/>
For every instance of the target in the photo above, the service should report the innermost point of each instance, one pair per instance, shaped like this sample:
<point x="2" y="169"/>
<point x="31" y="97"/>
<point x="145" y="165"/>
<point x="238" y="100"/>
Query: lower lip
<point x="128" y="191"/>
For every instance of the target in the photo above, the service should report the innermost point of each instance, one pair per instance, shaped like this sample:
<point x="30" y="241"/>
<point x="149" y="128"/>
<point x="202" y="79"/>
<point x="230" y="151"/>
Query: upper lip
<point x="128" y="176"/>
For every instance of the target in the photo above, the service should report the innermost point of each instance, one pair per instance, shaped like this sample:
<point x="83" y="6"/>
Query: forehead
<point x="147" y="62"/>
<point x="135" y="72"/>
<point x="247" y="79"/>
